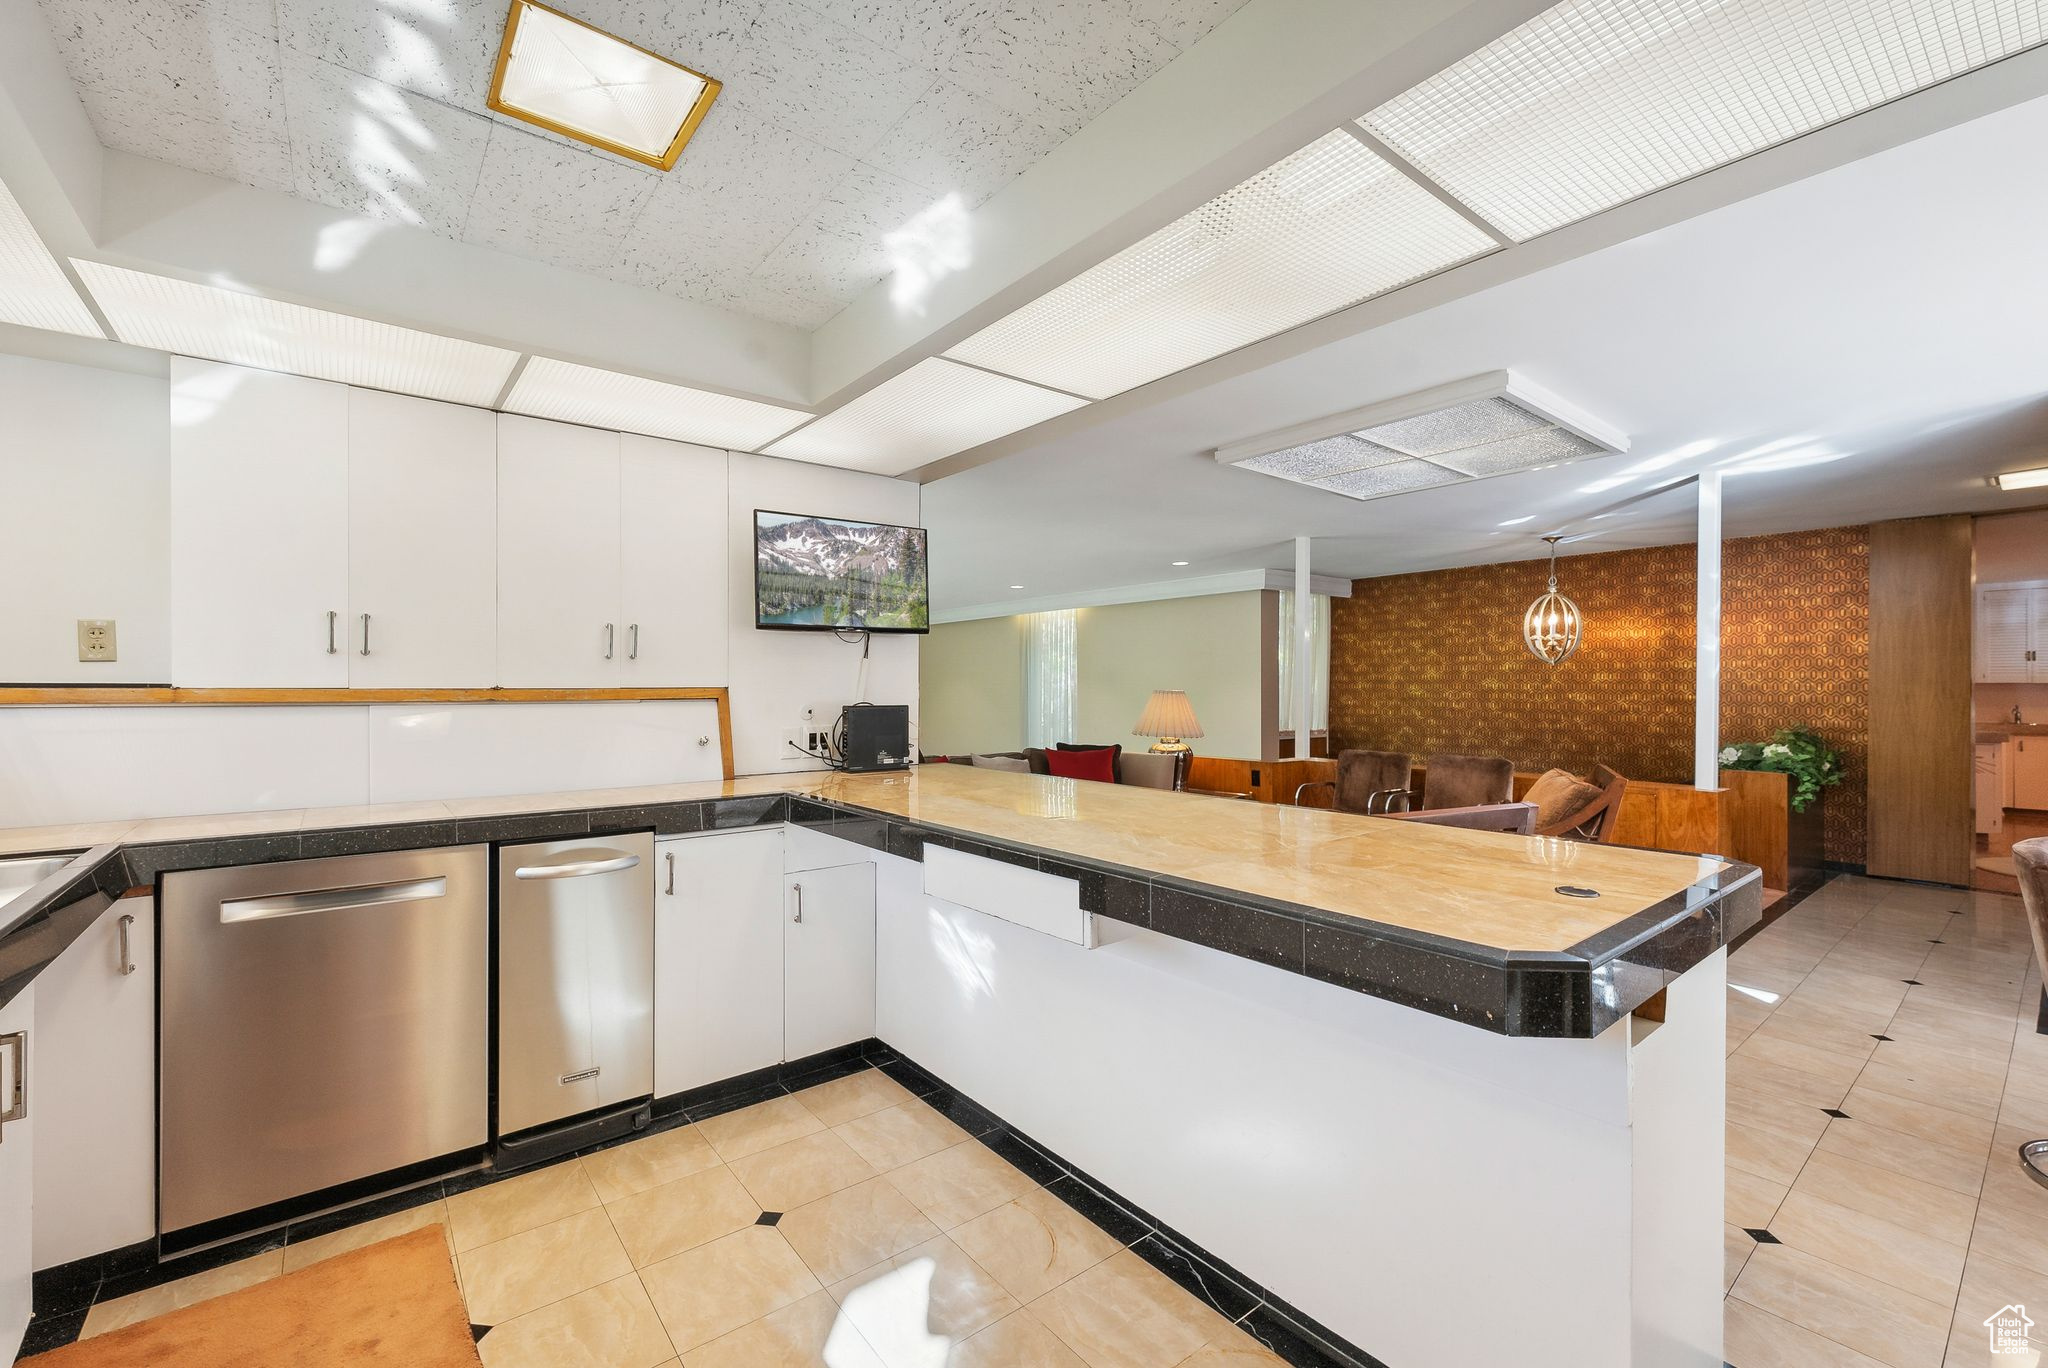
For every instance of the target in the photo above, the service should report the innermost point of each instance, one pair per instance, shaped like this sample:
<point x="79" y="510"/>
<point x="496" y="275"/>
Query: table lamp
<point x="1169" y="717"/>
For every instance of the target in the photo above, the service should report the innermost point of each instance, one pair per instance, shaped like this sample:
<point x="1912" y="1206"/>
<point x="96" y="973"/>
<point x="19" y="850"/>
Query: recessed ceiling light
<point x="1016" y="586"/>
<point x="1491" y="424"/>
<point x="570" y="393"/>
<point x="1593" y="103"/>
<point x="1180" y="562"/>
<point x="565" y="76"/>
<point x="2024" y="479"/>
<point x="249" y="330"/>
<point x="1317" y="231"/>
<point x="33" y="290"/>
<point x="931" y="410"/>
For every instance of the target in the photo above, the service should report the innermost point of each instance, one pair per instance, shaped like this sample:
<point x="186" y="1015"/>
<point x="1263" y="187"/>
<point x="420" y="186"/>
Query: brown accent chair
<point x="1588" y="811"/>
<point x="1515" y="818"/>
<point x="1367" y="781"/>
<point x="1463" y="781"/>
<point x="1150" y="769"/>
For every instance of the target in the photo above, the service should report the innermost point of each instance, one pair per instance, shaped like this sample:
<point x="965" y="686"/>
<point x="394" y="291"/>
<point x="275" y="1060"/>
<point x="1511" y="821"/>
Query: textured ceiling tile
<point x="373" y="149"/>
<point x="539" y="199"/>
<point x="443" y="49"/>
<point x="172" y="58"/>
<point x="925" y="33"/>
<point x="956" y="140"/>
<point x="1059" y="62"/>
<point x="258" y="157"/>
<point x="813" y="273"/>
<point x="1183" y="23"/>
<point x="823" y="80"/>
<point x="703" y="35"/>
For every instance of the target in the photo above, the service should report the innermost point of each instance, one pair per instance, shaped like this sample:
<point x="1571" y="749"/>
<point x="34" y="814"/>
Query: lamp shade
<point x="1167" y="713"/>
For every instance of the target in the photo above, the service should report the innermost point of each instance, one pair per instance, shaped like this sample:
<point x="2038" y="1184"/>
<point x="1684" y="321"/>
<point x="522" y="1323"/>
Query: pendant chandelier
<point x="1551" y="626"/>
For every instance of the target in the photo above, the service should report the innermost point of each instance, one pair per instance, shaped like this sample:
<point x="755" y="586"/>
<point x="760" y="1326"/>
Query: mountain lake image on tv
<point x="826" y="574"/>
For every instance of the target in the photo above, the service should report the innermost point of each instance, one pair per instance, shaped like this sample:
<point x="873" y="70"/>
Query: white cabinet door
<point x="2030" y="772"/>
<point x="95" y="1186"/>
<point x="558" y="555"/>
<point x="259" y="528"/>
<point x="717" y="957"/>
<point x="422" y="543"/>
<point x="2003" y="617"/>
<point x="17" y="1179"/>
<point x="2037" y="636"/>
<point x="828" y="959"/>
<point x="672" y="520"/>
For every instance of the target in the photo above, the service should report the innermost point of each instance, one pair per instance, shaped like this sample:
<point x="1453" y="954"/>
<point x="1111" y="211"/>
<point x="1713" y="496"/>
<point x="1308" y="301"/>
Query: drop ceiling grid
<point x="832" y="119"/>
<point x="1596" y="102"/>
<point x="1322" y="229"/>
<point x="33" y="289"/>
<point x="248" y="330"/>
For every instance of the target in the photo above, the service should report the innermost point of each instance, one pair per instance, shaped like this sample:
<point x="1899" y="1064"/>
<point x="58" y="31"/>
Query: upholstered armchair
<point x="1368" y="781"/>
<point x="1462" y="781"/>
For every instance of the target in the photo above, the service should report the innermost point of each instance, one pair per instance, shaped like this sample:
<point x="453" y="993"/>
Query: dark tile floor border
<point x="64" y="1295"/>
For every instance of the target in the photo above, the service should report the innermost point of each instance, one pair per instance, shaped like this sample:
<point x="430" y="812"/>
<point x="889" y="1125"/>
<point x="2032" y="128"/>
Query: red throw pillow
<point x="1093" y="764"/>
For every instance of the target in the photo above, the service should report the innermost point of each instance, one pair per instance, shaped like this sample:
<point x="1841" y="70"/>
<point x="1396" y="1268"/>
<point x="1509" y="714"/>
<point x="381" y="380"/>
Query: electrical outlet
<point x="96" y="639"/>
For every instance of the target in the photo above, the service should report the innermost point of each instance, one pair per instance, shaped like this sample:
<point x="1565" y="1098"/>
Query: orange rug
<point x="392" y="1305"/>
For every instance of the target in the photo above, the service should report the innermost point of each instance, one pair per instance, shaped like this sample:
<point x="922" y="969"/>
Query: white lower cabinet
<point x="828" y="958"/>
<point x="95" y="1022"/>
<point x="17" y="1174"/>
<point x="717" y="957"/>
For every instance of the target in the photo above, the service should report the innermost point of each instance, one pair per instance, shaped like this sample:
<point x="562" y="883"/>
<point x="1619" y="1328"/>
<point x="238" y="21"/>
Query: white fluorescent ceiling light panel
<point x="1321" y="230"/>
<point x="249" y="330"/>
<point x="1492" y="424"/>
<point x="33" y="289"/>
<point x="608" y="399"/>
<point x="931" y="410"/>
<point x="570" y="78"/>
<point x="1596" y="102"/>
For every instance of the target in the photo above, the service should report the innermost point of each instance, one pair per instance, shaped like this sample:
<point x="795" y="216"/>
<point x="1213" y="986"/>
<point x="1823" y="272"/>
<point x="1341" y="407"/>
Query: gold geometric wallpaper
<point x="1435" y="662"/>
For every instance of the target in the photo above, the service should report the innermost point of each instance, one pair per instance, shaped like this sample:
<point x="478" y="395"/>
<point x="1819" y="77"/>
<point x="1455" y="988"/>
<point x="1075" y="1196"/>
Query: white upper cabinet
<point x="259" y="528"/>
<point x="558" y="555"/>
<point x="2012" y="634"/>
<point x="422" y="543"/>
<point x="672" y="524"/>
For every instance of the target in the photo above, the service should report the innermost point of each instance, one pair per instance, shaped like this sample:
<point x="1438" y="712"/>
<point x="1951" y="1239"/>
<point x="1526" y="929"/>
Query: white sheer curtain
<point x="1319" y="718"/>
<point x="1049" y="653"/>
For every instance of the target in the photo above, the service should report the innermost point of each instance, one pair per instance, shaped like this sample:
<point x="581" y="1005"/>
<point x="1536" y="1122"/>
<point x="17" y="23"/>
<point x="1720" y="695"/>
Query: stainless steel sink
<point x="23" y="872"/>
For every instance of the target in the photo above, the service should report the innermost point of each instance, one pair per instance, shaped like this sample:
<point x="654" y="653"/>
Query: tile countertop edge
<point x="1572" y="993"/>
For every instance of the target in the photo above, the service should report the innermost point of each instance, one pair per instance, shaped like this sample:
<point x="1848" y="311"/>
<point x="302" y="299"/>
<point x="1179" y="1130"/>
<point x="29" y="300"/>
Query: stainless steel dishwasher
<point x="322" y="1022"/>
<point x="575" y="993"/>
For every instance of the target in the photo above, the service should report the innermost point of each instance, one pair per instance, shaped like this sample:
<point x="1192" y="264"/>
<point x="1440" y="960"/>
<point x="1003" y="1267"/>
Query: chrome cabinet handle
<point x="671" y="873"/>
<point x="121" y="929"/>
<point x="798" y="889"/>
<point x="633" y="641"/>
<point x="575" y="864"/>
<point x="609" y="630"/>
<point x="15" y="1098"/>
<point x="331" y="616"/>
<point x="330" y="900"/>
<point x="366" y="634"/>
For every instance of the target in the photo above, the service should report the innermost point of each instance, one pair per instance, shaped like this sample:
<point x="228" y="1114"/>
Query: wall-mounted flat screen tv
<point x="834" y="574"/>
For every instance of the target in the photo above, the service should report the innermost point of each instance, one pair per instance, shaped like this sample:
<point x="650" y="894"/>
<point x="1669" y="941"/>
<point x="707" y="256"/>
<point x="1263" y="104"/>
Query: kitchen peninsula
<point x="1442" y="1091"/>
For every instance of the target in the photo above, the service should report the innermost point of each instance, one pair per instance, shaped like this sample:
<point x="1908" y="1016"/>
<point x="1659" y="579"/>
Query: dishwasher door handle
<point x="330" y="900"/>
<point x="574" y="864"/>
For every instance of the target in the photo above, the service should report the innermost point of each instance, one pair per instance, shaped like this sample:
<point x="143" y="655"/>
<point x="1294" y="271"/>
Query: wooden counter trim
<point x="148" y="696"/>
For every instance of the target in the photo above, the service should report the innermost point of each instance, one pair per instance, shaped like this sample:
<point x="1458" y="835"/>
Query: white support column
<point x="1304" y="653"/>
<point x="1706" y="726"/>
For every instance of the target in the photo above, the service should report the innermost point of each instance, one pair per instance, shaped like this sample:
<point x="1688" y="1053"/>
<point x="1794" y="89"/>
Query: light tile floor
<point x="1883" y="1070"/>
<point x="901" y="1243"/>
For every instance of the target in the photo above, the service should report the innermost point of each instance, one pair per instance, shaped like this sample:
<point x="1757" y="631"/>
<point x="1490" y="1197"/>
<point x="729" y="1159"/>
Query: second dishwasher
<point x="575" y="1038"/>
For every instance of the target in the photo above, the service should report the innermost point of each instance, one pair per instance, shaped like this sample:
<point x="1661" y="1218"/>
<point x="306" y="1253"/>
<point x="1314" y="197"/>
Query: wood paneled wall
<point x="1920" y="718"/>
